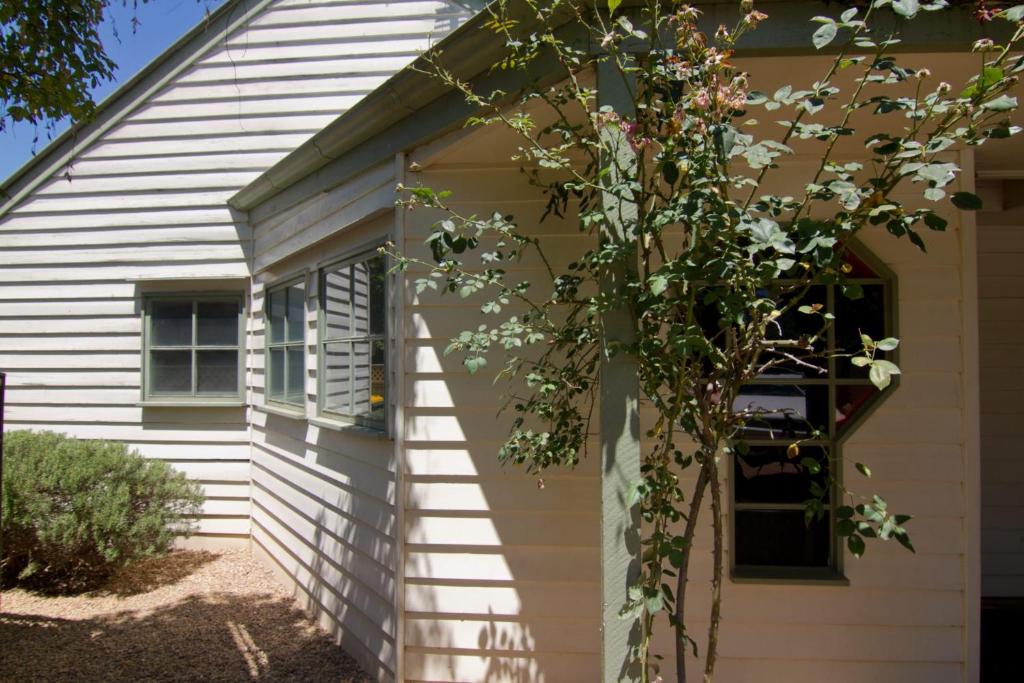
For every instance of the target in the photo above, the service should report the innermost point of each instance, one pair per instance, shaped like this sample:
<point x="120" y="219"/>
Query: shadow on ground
<point x="217" y="636"/>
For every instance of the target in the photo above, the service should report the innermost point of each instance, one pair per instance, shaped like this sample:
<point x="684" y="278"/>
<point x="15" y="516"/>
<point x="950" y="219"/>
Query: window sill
<point x="790" y="576"/>
<point x="281" y="411"/>
<point x="348" y="428"/>
<point x="197" y="403"/>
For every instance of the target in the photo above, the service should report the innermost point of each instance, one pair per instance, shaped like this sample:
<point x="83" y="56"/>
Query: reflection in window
<point x="353" y="302"/>
<point x="286" y="344"/>
<point x="794" y="402"/>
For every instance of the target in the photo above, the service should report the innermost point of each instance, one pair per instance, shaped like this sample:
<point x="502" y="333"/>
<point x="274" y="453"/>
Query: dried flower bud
<point x="983" y="45"/>
<point x="944" y="88"/>
<point x="923" y="74"/>
<point x="747" y="6"/>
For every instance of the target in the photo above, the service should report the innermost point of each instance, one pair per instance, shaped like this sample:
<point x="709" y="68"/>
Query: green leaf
<point x="613" y="5"/>
<point x="906" y="8"/>
<point x="825" y="34"/>
<point x="1014" y="14"/>
<point x="860" y="361"/>
<point x="888" y="344"/>
<point x="935" y="222"/>
<point x="856" y="545"/>
<point x="654" y="603"/>
<point x="879" y="376"/>
<point x="965" y="201"/>
<point x="1001" y="103"/>
<point x="658" y="283"/>
<point x="863" y="469"/>
<point x="474" y="363"/>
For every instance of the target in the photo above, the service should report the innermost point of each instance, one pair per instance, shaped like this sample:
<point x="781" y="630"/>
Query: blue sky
<point x="161" y="23"/>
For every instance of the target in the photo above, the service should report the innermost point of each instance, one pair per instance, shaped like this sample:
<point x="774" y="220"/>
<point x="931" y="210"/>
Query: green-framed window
<point x="286" y="343"/>
<point x="352" y="341"/>
<point x="192" y="347"/>
<point x="818" y="407"/>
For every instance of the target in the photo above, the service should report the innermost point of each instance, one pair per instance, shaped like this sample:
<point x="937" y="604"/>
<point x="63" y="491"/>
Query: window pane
<point x="378" y="298"/>
<point x="338" y="377"/>
<point x="361" y="299"/>
<point x="296" y="390"/>
<point x="275" y="319"/>
<point x="854" y="316"/>
<point x="217" y="372"/>
<point x="780" y="538"/>
<point x="361" y="376"/>
<point x="275" y="375"/>
<point x="296" y="312"/>
<point x="794" y="325"/>
<point x="218" y="323"/>
<point x="767" y="475"/>
<point x="171" y="323"/>
<point x="336" y="301"/>
<point x="170" y="372"/>
<point x="787" y="410"/>
<point x="850" y="400"/>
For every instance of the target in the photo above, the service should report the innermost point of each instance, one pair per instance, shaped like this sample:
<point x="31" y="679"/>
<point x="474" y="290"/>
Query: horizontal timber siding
<point x="324" y="498"/>
<point x="148" y="200"/>
<point x="502" y="578"/>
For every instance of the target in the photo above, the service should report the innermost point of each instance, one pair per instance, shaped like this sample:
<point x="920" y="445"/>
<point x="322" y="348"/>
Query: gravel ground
<point x="189" y="616"/>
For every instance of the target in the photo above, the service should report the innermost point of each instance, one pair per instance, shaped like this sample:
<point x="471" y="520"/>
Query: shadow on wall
<point x="502" y="576"/>
<point x="217" y="637"/>
<point x="329" y="515"/>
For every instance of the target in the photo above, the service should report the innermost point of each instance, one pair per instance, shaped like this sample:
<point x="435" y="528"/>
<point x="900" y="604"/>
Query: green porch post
<point x="619" y="419"/>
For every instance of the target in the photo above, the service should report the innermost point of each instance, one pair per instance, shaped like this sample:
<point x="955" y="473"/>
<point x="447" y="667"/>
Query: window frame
<point x="328" y="417"/>
<point x="237" y="398"/>
<point x="285" y="284"/>
<point x="833" y="573"/>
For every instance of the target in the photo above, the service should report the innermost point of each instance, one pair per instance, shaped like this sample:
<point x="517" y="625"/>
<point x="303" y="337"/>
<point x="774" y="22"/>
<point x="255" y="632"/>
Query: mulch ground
<point x="189" y="616"/>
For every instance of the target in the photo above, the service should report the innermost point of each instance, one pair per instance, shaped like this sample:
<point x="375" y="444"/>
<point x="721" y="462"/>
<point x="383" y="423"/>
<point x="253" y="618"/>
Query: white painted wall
<point x="148" y="199"/>
<point x="323" y="497"/>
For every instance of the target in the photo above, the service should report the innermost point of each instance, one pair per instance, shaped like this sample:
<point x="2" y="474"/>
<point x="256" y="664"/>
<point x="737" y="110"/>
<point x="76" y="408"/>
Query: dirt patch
<point x="190" y="616"/>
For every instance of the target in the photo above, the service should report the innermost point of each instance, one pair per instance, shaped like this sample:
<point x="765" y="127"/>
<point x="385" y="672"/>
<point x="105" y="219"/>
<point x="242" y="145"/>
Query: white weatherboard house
<point x="206" y="288"/>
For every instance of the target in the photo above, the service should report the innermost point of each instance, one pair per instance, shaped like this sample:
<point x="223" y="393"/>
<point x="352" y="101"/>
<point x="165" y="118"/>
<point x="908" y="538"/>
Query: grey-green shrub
<point x="75" y="510"/>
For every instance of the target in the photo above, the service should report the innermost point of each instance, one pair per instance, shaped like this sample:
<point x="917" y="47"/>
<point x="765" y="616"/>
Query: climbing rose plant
<point x="669" y="196"/>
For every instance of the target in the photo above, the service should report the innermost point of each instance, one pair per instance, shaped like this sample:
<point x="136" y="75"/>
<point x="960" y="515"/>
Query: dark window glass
<point x="286" y="344"/>
<point x="191" y="368"/>
<point x="217" y="372"/>
<point x="275" y="373"/>
<point x="171" y="323"/>
<point x="296" y="313"/>
<point x="802" y="409"/>
<point x="780" y="538"/>
<point x="277" y="305"/>
<point x="217" y="323"/>
<point x="766" y="474"/>
<point x="170" y="372"/>
<point x="854" y="316"/>
<point x="295" y="392"/>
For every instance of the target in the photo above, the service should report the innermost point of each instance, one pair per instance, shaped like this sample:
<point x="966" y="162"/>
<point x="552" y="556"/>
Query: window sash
<point x="285" y="345"/>
<point x="194" y="348"/>
<point x="833" y="442"/>
<point x="325" y="342"/>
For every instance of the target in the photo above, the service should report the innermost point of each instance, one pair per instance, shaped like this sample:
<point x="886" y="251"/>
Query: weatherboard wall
<point x="146" y="208"/>
<point x="323" y="493"/>
<point x="502" y="574"/>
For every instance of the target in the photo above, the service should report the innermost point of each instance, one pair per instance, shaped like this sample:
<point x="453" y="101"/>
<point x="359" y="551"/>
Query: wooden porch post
<point x="619" y="418"/>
